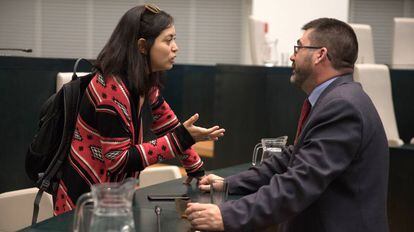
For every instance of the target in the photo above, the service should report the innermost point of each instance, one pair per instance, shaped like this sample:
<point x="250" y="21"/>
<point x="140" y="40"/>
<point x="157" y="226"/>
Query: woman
<point x="107" y="145"/>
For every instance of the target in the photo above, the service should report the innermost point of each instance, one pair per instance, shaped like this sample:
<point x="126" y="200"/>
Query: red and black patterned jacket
<point x="106" y="146"/>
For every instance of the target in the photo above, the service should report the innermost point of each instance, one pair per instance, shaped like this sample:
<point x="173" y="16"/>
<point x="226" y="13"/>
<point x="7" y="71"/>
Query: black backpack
<point x="51" y="144"/>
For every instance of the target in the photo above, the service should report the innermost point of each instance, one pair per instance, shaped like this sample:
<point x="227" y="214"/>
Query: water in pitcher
<point x="121" y="222"/>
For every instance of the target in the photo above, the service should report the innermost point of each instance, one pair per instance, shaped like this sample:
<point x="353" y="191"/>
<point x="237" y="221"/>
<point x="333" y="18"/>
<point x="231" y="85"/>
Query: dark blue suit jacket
<point x="334" y="179"/>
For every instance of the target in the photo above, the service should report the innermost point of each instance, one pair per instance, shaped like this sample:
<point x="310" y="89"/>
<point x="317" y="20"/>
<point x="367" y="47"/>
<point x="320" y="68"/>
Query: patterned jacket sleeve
<point x="123" y="157"/>
<point x="165" y="121"/>
<point x="107" y="118"/>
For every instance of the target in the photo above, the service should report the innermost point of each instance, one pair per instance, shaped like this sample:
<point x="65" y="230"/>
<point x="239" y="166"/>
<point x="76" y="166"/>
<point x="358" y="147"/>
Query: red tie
<point x="304" y="113"/>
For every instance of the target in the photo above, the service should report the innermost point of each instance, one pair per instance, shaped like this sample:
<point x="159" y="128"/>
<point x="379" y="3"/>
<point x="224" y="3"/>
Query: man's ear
<point x="142" y="46"/>
<point x="322" y="54"/>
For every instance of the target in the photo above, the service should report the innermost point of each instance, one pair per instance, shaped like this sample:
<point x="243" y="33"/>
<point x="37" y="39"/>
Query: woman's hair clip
<point x="153" y="8"/>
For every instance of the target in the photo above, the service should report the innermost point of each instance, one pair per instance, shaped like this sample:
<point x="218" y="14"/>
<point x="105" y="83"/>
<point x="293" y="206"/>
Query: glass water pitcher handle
<point x="79" y="212"/>
<point x="255" y="151"/>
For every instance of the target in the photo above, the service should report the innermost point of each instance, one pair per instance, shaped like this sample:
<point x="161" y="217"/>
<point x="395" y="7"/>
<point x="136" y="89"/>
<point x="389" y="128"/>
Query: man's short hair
<point x="338" y="37"/>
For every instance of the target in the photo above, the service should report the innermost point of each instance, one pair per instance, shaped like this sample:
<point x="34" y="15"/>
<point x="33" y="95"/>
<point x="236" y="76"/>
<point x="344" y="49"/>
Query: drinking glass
<point x="219" y="190"/>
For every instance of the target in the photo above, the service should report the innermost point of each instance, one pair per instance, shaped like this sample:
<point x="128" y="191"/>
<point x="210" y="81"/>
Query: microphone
<point x="29" y="50"/>
<point x="157" y="210"/>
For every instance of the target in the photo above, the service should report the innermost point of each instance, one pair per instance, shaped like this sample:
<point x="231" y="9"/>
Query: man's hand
<point x="204" y="217"/>
<point x="205" y="181"/>
<point x="201" y="133"/>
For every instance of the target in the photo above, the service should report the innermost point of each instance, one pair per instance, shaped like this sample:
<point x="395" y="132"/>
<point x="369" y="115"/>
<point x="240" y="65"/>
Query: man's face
<point x="302" y="61"/>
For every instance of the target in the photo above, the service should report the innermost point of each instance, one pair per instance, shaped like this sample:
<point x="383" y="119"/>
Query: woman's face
<point x="164" y="50"/>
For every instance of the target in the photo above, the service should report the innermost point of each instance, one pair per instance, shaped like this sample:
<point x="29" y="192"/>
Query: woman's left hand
<point x="201" y="133"/>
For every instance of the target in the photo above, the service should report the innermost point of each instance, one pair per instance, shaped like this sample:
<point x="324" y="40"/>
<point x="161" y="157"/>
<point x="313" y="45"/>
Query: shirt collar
<point x="313" y="97"/>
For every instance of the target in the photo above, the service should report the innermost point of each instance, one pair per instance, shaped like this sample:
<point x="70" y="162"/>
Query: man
<point x="335" y="176"/>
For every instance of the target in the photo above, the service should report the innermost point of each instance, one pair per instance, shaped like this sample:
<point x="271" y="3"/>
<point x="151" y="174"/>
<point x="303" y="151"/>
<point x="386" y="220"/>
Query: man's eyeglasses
<point x="297" y="47"/>
<point x="153" y="8"/>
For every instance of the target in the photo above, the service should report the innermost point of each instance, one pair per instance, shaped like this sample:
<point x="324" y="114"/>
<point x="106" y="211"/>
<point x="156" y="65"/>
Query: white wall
<point x="286" y="18"/>
<point x="208" y="32"/>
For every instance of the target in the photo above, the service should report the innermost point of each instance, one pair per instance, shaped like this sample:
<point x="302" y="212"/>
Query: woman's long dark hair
<point x="121" y="57"/>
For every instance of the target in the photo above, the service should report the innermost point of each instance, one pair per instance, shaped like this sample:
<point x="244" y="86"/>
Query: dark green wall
<point x="25" y="84"/>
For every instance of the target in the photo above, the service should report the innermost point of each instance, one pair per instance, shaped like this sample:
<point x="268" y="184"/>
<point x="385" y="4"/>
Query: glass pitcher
<point x="269" y="52"/>
<point x="269" y="146"/>
<point x="111" y="210"/>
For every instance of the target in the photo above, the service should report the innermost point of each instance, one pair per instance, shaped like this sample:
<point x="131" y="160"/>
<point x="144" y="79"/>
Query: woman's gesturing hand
<point x="201" y="133"/>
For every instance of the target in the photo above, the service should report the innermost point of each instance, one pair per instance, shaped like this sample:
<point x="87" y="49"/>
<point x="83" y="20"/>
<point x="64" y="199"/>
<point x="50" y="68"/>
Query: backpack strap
<point x="36" y="206"/>
<point x="75" y="67"/>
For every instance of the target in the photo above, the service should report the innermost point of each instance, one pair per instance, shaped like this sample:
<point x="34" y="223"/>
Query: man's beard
<point x="300" y="74"/>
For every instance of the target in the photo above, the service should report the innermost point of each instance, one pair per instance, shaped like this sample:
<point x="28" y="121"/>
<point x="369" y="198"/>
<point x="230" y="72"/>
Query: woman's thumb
<point x="193" y="119"/>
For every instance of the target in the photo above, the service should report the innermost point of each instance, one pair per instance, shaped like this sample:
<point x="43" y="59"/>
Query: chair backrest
<point x="64" y="77"/>
<point x="16" y="208"/>
<point x="154" y="175"/>
<point x="365" y="43"/>
<point x="403" y="46"/>
<point x="375" y="80"/>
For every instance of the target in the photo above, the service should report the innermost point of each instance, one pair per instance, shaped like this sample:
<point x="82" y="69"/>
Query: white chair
<point x="403" y="46"/>
<point x="16" y="208"/>
<point x="154" y="175"/>
<point x="375" y="80"/>
<point x="64" y="77"/>
<point x="365" y="43"/>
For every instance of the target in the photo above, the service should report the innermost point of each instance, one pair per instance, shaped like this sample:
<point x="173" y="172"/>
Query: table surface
<point x="144" y="215"/>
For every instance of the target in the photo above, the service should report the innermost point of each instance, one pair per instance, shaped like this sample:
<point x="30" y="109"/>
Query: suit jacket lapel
<point x="347" y="78"/>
